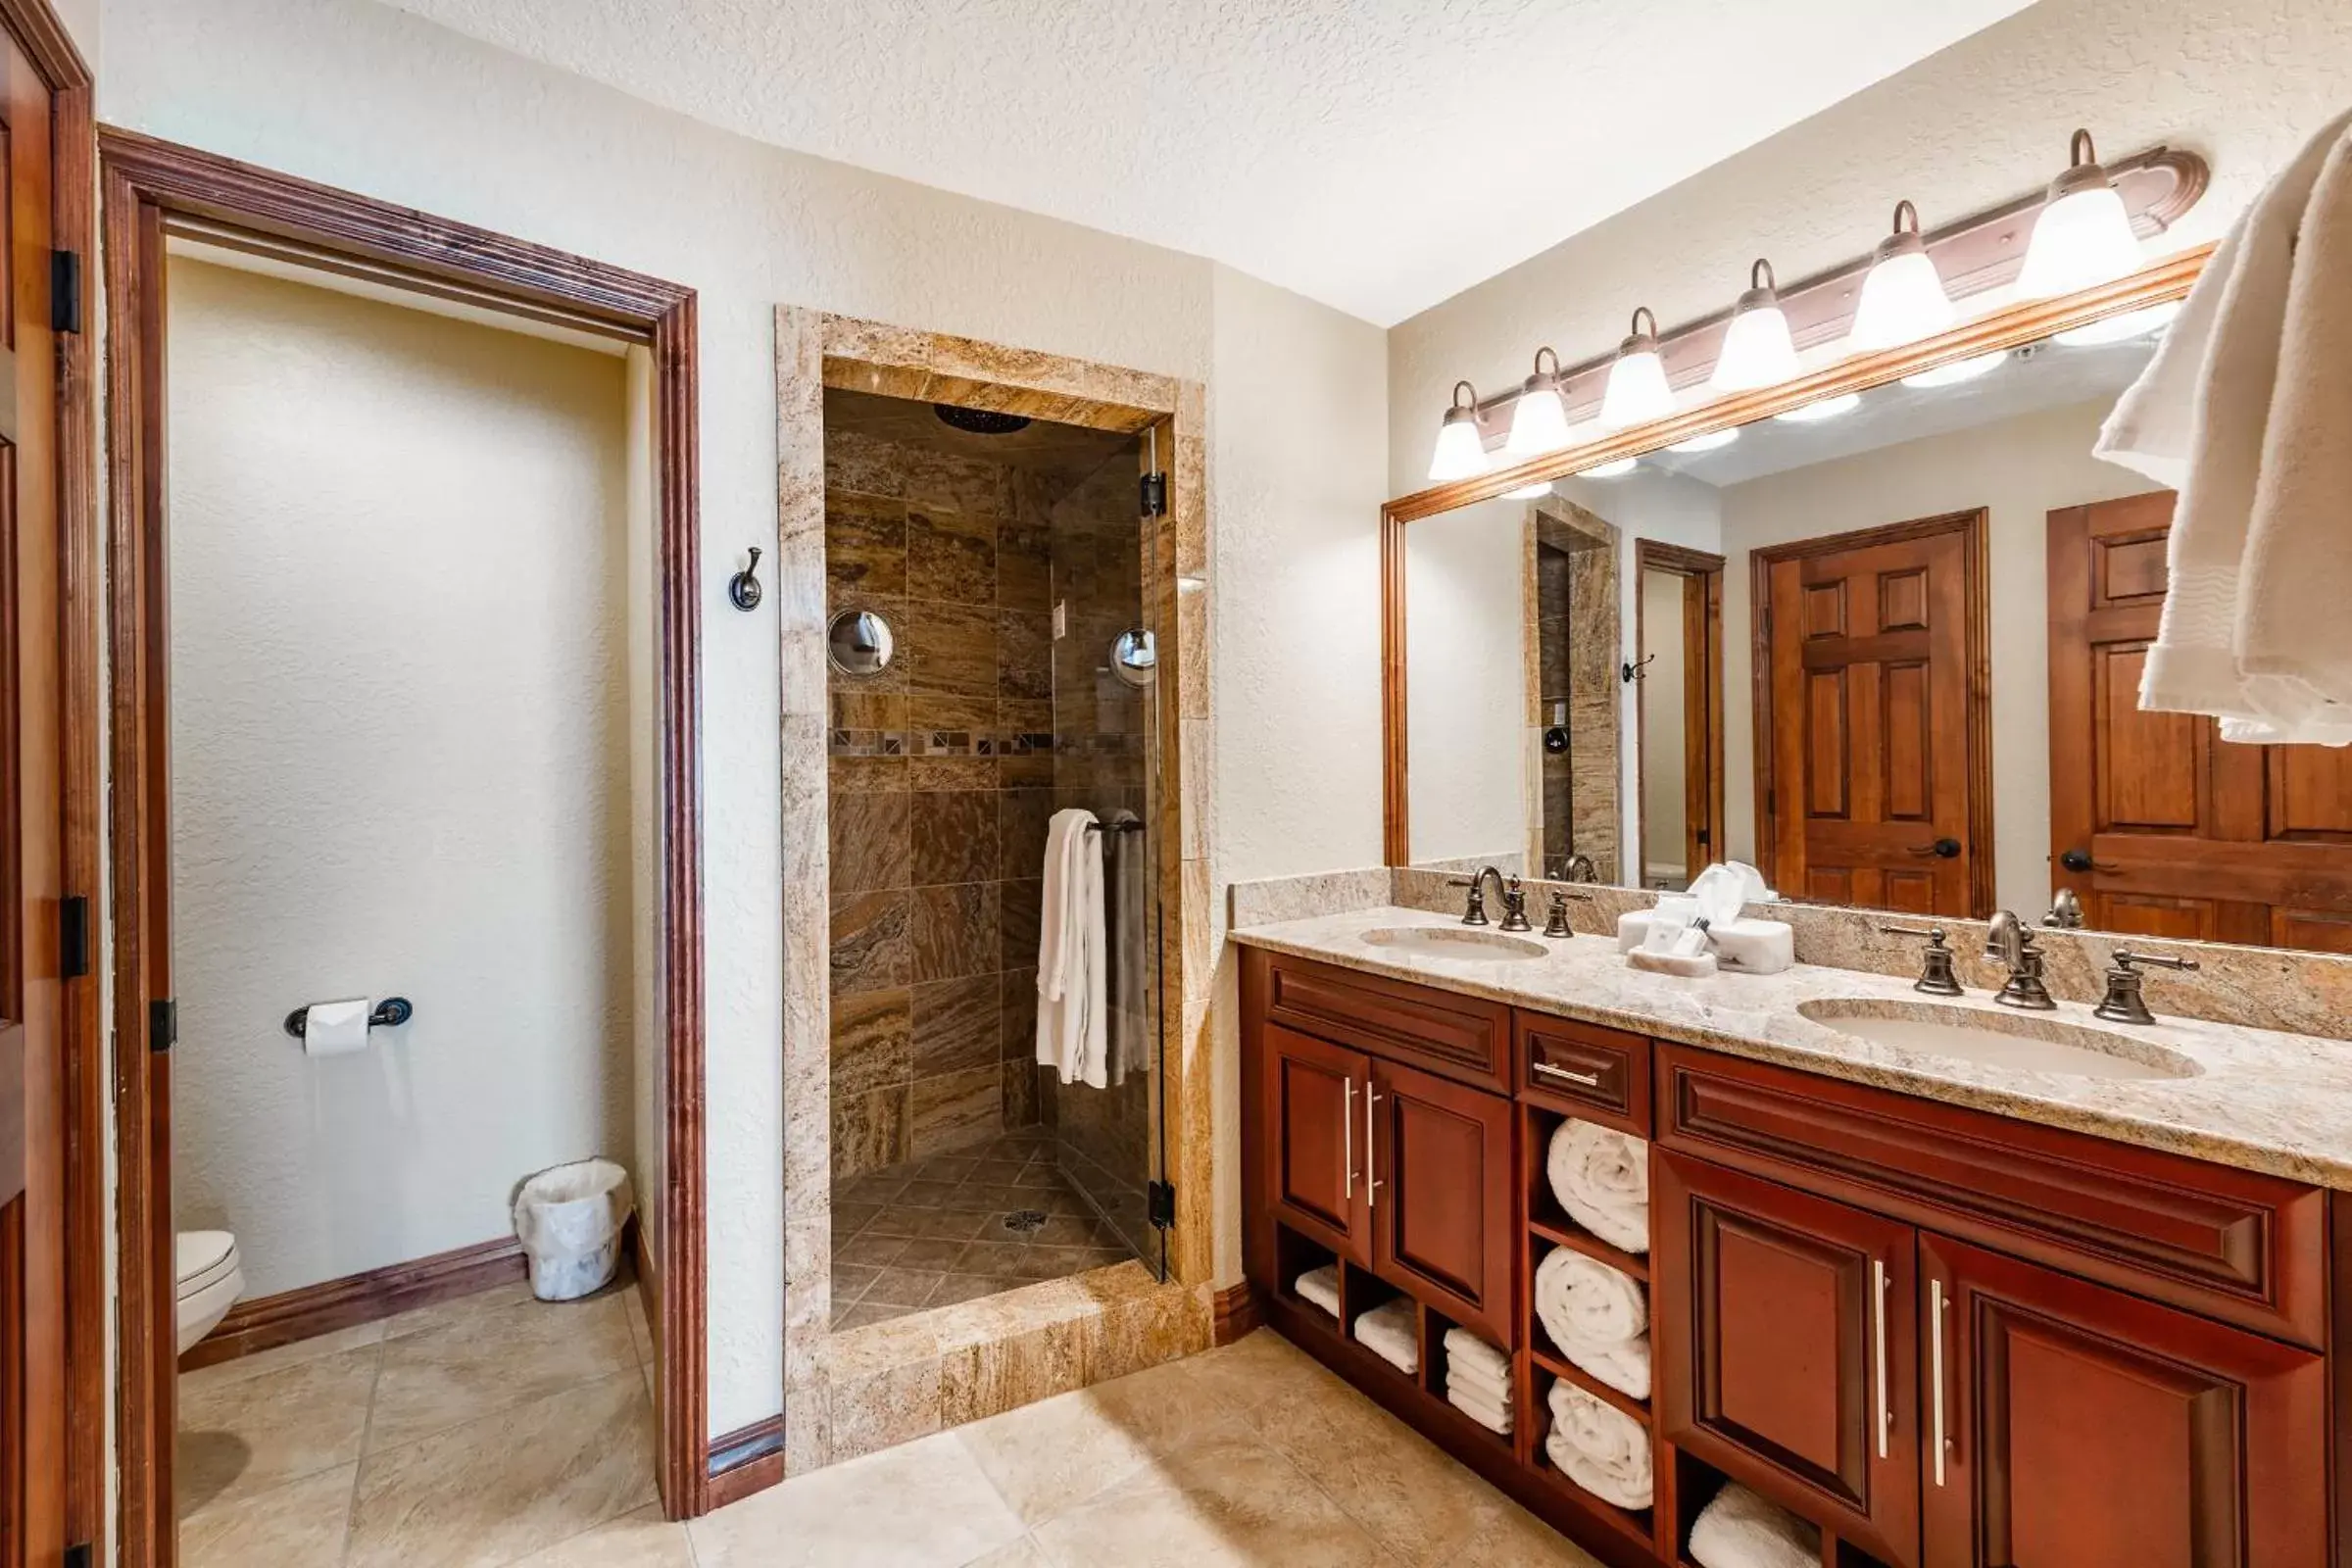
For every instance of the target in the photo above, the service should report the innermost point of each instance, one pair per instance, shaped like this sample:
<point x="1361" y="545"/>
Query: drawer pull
<point x="1936" y="1370"/>
<point x="1877" y="1306"/>
<point x="1347" y="1138"/>
<point x="1591" y="1080"/>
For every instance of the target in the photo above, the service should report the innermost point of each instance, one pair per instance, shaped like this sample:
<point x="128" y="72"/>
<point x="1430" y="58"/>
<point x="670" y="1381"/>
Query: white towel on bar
<point x="2246" y="409"/>
<point x="1320" y="1285"/>
<point x="1740" y="1530"/>
<point x="1495" y="1414"/>
<point x="1599" y="1316"/>
<point x="1388" y="1332"/>
<point x="1598" y="1446"/>
<point x="1463" y="1346"/>
<point x="1074" y="977"/>
<point x="1601" y="1178"/>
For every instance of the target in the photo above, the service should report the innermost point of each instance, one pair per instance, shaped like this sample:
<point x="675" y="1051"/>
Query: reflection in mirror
<point x="1934" y="602"/>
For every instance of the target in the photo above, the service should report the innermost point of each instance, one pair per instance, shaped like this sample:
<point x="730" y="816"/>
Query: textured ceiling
<point x="1377" y="155"/>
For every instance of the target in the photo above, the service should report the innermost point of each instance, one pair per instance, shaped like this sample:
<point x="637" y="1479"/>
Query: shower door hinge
<point x="1159" y="1204"/>
<point x="65" y="291"/>
<point x="162" y="1024"/>
<point x="1156" y="494"/>
<point x="73" y="937"/>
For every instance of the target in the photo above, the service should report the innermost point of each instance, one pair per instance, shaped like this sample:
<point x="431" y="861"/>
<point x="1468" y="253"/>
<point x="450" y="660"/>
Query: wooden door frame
<point x="1974" y="528"/>
<point x="145" y="185"/>
<point x="1706" y="741"/>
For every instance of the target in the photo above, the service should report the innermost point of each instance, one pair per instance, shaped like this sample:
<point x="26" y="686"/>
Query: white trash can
<point x="568" y="1220"/>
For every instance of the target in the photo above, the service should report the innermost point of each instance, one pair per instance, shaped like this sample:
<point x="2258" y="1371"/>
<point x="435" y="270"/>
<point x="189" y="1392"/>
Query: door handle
<point x="1371" y="1150"/>
<point x="1936" y="1304"/>
<point x="1348" y="1137"/>
<point x="1941" y="849"/>
<point x="2080" y="860"/>
<point x="1591" y="1080"/>
<point x="1878" y="1350"/>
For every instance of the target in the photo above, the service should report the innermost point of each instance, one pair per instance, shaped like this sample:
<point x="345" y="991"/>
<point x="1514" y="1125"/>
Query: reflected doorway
<point x="1678" y="669"/>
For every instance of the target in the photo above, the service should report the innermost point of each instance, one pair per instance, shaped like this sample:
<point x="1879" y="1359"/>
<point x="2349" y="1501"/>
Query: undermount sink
<point x="2024" y="1042"/>
<point x="1453" y="942"/>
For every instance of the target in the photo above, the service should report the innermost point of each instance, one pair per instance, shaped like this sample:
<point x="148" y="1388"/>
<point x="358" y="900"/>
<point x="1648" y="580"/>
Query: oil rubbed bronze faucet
<point x="2123" y="1002"/>
<point x="2010" y="941"/>
<point x="1514" y="899"/>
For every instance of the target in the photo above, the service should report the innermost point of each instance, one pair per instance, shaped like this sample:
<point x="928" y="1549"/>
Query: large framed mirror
<point x="1876" y="631"/>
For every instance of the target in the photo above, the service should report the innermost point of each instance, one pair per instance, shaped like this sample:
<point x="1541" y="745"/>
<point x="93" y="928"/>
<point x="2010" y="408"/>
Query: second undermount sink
<point x="2033" y="1043"/>
<point x="1453" y="942"/>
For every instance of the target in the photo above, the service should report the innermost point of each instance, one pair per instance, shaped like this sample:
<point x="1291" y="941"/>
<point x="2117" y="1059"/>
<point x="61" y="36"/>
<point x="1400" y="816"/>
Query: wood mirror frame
<point x="1997" y="332"/>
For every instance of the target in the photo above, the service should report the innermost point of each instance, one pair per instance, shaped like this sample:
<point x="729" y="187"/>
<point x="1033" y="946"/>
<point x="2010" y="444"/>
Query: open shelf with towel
<point x="1639" y="1526"/>
<point x="1439" y="1371"/>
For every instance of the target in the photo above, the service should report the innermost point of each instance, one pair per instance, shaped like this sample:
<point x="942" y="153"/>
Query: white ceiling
<point x="1377" y="155"/>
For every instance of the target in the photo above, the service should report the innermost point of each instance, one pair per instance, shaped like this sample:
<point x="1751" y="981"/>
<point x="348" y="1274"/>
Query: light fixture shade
<point x="1460" y="454"/>
<point x="1902" y="295"/>
<point x="1957" y="371"/>
<point x="1757" y="350"/>
<point x="1529" y="492"/>
<point x="2120" y="329"/>
<point x="2082" y="237"/>
<point x="1823" y="408"/>
<point x="1611" y="470"/>
<point x="1709" y="442"/>
<point x="1540" y="419"/>
<point x="1636" y="392"/>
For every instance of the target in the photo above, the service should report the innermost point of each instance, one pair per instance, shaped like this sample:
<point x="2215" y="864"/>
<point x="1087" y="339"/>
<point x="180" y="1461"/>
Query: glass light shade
<point x="1529" y="492"/>
<point x="2082" y="237"/>
<point x="1636" y="392"/>
<point x="1826" y="409"/>
<point x="1460" y="454"/>
<point x="1708" y="442"/>
<point x="1538" y="424"/>
<point x="1903" y="301"/>
<point x="1757" y="352"/>
<point x="1957" y="371"/>
<point x="1609" y="470"/>
<point x="2120" y="329"/>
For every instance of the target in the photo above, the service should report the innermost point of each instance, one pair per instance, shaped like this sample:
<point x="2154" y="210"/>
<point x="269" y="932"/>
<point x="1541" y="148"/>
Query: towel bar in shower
<point x="1114" y="827"/>
<point x="389" y="1013"/>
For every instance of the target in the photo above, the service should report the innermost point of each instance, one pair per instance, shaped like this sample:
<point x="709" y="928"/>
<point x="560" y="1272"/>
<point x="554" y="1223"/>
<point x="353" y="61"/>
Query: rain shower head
<point x="979" y="422"/>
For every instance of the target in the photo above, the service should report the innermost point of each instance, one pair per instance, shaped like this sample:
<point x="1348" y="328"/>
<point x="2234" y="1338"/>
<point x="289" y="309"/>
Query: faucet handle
<point x="1475" y="911"/>
<point x="1514" y="905"/>
<point x="1556" y="923"/>
<point x="2123" y="1002"/>
<point x="1935" y="976"/>
<point x="2126" y="959"/>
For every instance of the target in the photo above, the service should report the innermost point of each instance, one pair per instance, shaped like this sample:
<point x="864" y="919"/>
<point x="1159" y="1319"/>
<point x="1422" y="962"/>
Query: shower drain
<point x="1024" y="1220"/>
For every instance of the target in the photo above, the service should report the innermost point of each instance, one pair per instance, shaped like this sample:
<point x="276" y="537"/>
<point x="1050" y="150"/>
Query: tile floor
<point x="933" y="1232"/>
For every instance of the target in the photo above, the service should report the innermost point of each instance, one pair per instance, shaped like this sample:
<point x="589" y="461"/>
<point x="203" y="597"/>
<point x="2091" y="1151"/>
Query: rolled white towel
<point x="1740" y="1530"/>
<point x="1470" y="1375"/>
<point x="1463" y="1346"/>
<point x="1599" y="1448"/>
<point x="1320" y="1285"/>
<point x="1601" y="1178"/>
<point x="1597" y="1316"/>
<point x="1495" y="1414"/>
<point x="1388" y="1332"/>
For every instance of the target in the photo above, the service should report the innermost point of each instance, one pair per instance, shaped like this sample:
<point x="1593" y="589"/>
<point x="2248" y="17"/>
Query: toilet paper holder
<point x="389" y="1013"/>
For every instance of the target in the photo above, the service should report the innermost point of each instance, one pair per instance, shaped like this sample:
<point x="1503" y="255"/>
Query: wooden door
<point x="2084" y="1427"/>
<point x="2160" y="827"/>
<point x="1440" y="1195"/>
<point x="32" y="1159"/>
<point x="1873" y="734"/>
<point x="1317" y="1105"/>
<point x="1787" y="1355"/>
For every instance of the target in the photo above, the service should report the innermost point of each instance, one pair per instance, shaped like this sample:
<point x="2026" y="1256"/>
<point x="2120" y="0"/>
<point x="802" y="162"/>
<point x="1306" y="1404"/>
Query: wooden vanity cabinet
<point x="1442" y="1226"/>
<point x="1317" y="1099"/>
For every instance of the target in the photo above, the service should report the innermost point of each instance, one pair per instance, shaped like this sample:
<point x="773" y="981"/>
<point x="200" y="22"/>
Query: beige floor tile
<point x="641" y="1334"/>
<point x="923" y="1504"/>
<point x="1227" y="1503"/>
<point x="640" y="1540"/>
<point x="263" y="1362"/>
<point x="1259" y="1368"/>
<point x="441" y="1314"/>
<point x="464" y="1369"/>
<point x="241" y="1438"/>
<point x="494" y="1490"/>
<point x="299" y="1525"/>
<point x="1408" y="1493"/>
<point x="1503" y="1534"/>
<point x="1022" y="1553"/>
<point x="1048" y="1457"/>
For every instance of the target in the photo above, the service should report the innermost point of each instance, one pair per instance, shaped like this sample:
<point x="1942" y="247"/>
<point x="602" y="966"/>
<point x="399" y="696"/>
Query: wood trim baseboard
<point x="307" y="1311"/>
<point x="1234" y="1311"/>
<point x="745" y="1460"/>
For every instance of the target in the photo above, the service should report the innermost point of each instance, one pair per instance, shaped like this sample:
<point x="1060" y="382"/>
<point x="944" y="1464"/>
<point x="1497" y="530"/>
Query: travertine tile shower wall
<point x="942" y="784"/>
<point x="1578" y="637"/>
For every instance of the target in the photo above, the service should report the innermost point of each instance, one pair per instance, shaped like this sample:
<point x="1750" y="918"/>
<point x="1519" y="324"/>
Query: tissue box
<point x="1743" y="946"/>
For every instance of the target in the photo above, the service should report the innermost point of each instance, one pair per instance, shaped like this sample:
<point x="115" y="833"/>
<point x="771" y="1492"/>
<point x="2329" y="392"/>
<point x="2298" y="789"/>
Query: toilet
<point x="210" y="1280"/>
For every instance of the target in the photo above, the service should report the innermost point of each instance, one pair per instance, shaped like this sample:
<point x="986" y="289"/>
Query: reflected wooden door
<point x="1873" y="726"/>
<point x="2160" y="827"/>
<point x="32" y="1161"/>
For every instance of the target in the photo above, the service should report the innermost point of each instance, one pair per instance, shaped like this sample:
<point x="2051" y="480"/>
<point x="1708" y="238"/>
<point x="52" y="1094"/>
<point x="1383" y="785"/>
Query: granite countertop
<point x="2260" y="1101"/>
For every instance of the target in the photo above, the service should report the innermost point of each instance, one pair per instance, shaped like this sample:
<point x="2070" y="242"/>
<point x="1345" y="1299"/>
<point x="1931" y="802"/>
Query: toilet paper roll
<point x="336" y="1028"/>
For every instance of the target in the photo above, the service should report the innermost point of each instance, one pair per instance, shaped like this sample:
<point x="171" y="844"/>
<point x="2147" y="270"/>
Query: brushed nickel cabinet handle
<point x="1591" y="1080"/>
<point x="1371" y="1150"/>
<point x="1937" y="1305"/>
<point x="1348" y="1137"/>
<point x="1878" y="1308"/>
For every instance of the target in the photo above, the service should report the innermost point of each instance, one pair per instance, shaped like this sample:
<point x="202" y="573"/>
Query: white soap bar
<point x="1748" y="946"/>
<point x="1690" y="966"/>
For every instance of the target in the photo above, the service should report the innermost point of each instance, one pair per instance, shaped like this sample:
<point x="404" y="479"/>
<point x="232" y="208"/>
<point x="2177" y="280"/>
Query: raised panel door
<point x="1316" y="1099"/>
<point x="1440" y="1195"/>
<point x="1785" y="1352"/>
<point x="2074" y="1424"/>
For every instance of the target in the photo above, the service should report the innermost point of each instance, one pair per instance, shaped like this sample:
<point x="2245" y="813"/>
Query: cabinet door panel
<point x="2086" y="1427"/>
<point x="1317" y="1154"/>
<point x="1783" y="1326"/>
<point x="1440" y="1195"/>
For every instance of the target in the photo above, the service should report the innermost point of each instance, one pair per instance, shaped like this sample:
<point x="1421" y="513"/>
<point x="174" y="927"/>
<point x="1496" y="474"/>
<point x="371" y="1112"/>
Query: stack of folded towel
<point x="1477" y="1381"/>
<point x="1388" y="1331"/>
<point x="1321" y="1285"/>
<point x="1601" y="1178"/>
<point x="1597" y="1316"/>
<point x="1598" y="1446"/>
<point x="1740" y="1530"/>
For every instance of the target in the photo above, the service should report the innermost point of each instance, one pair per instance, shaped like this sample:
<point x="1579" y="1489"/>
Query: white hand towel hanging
<point x="1073" y="978"/>
<point x="2247" y="411"/>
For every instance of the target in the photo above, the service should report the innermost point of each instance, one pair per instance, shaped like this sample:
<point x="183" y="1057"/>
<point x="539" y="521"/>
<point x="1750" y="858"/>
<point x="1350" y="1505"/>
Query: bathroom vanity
<point x="1954" y="1312"/>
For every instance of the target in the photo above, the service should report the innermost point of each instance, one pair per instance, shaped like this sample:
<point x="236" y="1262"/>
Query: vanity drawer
<point x="1584" y="1070"/>
<point x="1461" y="1037"/>
<point x="2234" y="1245"/>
